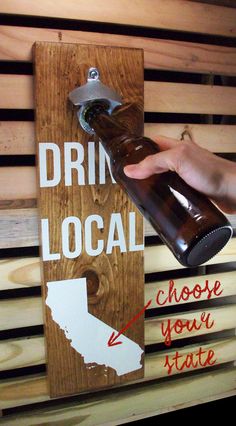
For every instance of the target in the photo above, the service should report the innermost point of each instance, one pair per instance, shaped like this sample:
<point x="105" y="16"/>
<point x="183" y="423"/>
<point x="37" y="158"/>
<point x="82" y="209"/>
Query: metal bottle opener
<point x="93" y="91"/>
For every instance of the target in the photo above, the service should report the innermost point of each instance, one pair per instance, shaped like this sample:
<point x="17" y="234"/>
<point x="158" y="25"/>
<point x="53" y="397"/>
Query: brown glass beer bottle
<point x="187" y="221"/>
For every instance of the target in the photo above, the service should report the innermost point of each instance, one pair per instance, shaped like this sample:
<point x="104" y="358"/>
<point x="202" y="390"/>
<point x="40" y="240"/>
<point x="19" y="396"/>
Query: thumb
<point x="157" y="163"/>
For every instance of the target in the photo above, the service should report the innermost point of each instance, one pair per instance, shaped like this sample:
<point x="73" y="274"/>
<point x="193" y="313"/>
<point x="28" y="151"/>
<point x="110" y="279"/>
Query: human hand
<point x="213" y="176"/>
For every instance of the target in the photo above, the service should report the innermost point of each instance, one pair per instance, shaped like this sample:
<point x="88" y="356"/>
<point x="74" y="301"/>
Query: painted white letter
<point x="43" y="148"/>
<point x="74" y="164"/>
<point x="46" y="244"/>
<point x="103" y="159"/>
<point x="91" y="163"/>
<point x="116" y="225"/>
<point x="89" y="237"/>
<point x="67" y="237"/>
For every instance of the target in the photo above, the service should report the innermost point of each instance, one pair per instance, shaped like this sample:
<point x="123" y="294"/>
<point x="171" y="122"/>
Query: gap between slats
<point x="158" y="54"/>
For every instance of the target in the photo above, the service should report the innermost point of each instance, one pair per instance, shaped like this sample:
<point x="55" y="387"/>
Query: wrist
<point x="228" y="195"/>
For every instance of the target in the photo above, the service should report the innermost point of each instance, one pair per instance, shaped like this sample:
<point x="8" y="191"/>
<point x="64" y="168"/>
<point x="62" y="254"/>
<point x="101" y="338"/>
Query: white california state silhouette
<point x="88" y="335"/>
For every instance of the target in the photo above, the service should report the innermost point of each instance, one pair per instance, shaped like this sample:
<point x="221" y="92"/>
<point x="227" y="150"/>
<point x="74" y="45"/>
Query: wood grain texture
<point x="168" y="14"/>
<point x="17" y="137"/>
<point x="120" y="274"/>
<point x="19" y="353"/>
<point x="189" y="98"/>
<point x="158" y="54"/>
<point x="23" y="312"/>
<point x="19" y="273"/>
<point x="159" y="258"/>
<point x="215" y="138"/>
<point x="116" y="408"/>
<point x="17" y="93"/>
<point x="27" y="312"/>
<point x="22" y="223"/>
<point x="17" y="183"/>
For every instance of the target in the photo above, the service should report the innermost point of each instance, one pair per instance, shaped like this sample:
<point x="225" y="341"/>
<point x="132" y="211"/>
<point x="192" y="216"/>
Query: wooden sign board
<point x="91" y="233"/>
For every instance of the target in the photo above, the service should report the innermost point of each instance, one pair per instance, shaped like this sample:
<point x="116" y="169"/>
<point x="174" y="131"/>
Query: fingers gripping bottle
<point x="191" y="226"/>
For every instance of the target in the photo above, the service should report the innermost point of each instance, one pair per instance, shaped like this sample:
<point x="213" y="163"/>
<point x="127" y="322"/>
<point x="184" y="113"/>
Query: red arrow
<point x="113" y="337"/>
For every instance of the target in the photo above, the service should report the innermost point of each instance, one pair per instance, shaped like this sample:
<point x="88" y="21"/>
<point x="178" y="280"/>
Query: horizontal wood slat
<point x="17" y="93"/>
<point x="17" y="183"/>
<point x="159" y="258"/>
<point x="27" y="312"/>
<point x="117" y="408"/>
<point x="158" y="54"/>
<point x="17" y="137"/>
<point x="25" y="271"/>
<point x="189" y="98"/>
<point x="23" y="312"/>
<point x="19" y="227"/>
<point x="170" y="14"/>
<point x="21" y="353"/>
<point x="224" y="317"/>
<point x="227" y="280"/>
<point x="215" y="138"/>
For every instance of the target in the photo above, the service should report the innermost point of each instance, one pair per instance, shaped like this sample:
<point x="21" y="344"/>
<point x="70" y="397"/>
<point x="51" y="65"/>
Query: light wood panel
<point x="215" y="138"/>
<point x="19" y="273"/>
<point x="189" y="98"/>
<point x="17" y="92"/>
<point x="158" y="54"/>
<point x="17" y="183"/>
<point x="169" y="14"/>
<point x="123" y="407"/>
<point x="20" y="223"/>
<point x="21" y="353"/>
<point x="27" y="312"/>
<point x="23" y="312"/>
<point x="159" y="258"/>
<point x="17" y="137"/>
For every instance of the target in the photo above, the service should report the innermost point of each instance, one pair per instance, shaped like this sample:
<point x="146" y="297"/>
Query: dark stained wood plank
<point x="119" y="296"/>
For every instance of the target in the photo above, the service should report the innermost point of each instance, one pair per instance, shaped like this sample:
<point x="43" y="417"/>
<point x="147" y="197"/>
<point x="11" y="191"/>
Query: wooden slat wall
<point x="132" y="404"/>
<point x="159" y="54"/>
<point x="20" y="276"/>
<point x="161" y="14"/>
<point x="17" y="93"/>
<point x="18" y="137"/>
